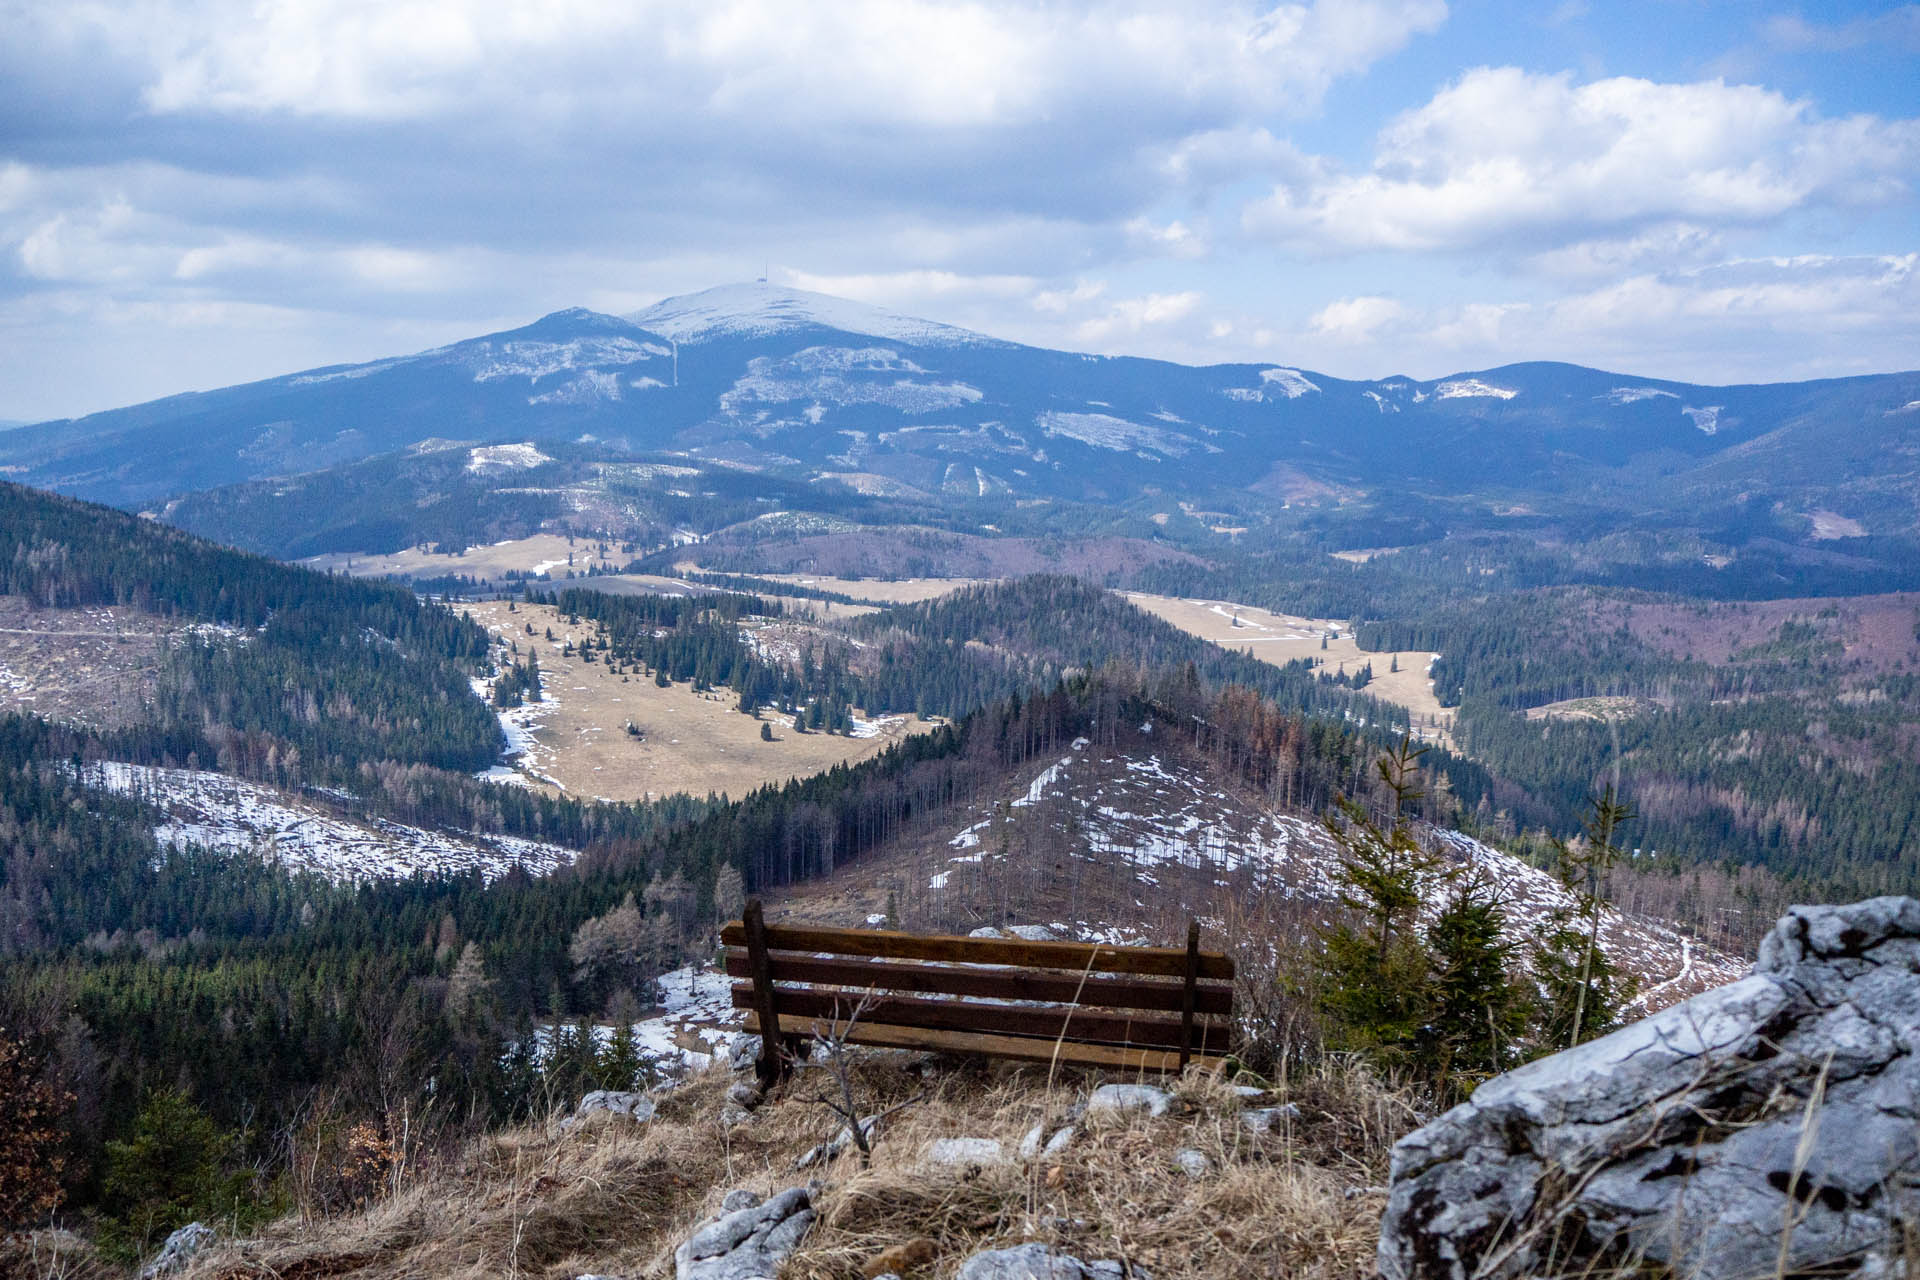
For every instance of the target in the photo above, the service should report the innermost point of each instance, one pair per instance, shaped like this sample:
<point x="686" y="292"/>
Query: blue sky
<point x="201" y="192"/>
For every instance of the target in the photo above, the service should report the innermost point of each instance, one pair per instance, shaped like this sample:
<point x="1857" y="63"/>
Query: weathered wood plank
<point x="1170" y="962"/>
<point x="1188" y="994"/>
<point x="753" y="931"/>
<point x="1023" y="1048"/>
<point x="1092" y="992"/>
<point x="993" y="1019"/>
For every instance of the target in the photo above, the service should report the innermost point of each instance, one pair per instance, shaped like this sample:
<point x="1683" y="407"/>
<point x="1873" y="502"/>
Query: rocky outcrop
<point x="1042" y="1262"/>
<point x="619" y="1102"/>
<point x="748" y="1241"/>
<point x="1765" y="1126"/>
<point x="180" y="1249"/>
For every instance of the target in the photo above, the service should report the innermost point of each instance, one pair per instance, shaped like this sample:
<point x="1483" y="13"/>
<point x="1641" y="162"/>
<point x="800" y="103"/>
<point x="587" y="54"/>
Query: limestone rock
<point x="637" y="1106"/>
<point x="1117" y="1098"/>
<point x="966" y="1151"/>
<point x="1037" y="1142"/>
<point x="1042" y="1262"/>
<point x="748" y="1243"/>
<point x="180" y="1249"/>
<point x="1192" y="1162"/>
<point x="1689" y="1139"/>
<point x="740" y="1198"/>
<point x="1267" y="1119"/>
<point x="746" y="1053"/>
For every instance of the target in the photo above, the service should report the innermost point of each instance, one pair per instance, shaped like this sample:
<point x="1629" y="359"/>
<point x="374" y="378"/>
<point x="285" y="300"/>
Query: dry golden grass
<point x="880" y="591"/>
<point x="542" y="553"/>
<point x="615" y="1198"/>
<point x="1281" y="638"/>
<point x="690" y="742"/>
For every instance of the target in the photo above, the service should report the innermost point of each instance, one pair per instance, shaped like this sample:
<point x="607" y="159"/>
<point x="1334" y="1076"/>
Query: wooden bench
<point x="1075" y="1003"/>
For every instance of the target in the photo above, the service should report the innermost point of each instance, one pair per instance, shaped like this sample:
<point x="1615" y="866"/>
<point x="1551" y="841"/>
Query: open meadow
<point x="577" y="738"/>
<point x="1280" y="638"/>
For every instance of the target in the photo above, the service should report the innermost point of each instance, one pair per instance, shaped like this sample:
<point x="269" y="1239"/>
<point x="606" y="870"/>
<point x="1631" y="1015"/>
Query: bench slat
<point x="992" y="1019"/>
<point x="1168" y="962"/>
<point x="994" y="984"/>
<point x="1024" y="1048"/>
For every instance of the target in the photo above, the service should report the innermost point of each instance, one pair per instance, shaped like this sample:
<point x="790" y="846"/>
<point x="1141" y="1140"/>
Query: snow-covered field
<point x="219" y="812"/>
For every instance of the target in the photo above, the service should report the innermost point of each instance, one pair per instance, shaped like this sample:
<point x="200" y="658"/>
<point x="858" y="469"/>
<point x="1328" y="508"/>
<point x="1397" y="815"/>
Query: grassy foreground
<point x="614" y="1197"/>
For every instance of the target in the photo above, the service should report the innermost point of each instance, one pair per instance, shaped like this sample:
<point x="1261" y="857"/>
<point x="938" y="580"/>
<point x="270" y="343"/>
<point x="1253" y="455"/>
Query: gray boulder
<point x="1781" y="1105"/>
<point x="748" y="1243"/>
<point x="1121" y="1098"/>
<point x="619" y="1102"/>
<point x="982" y="1151"/>
<point x="180" y="1249"/>
<point x="1042" y="1262"/>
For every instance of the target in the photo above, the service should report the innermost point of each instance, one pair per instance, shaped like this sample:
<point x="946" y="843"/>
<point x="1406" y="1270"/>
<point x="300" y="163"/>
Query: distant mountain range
<point x="818" y="388"/>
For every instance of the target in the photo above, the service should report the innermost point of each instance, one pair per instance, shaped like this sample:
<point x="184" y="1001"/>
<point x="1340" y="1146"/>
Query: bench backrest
<point x="1076" y="1003"/>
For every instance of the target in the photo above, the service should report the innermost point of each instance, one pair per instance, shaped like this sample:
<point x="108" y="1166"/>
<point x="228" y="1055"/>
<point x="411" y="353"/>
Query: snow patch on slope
<point x="1290" y="381"/>
<point x="1707" y="419"/>
<point x="843" y="376"/>
<point x="215" y="811"/>
<point x="1103" y="431"/>
<point x="1632" y="395"/>
<point x="761" y="310"/>
<point x="1472" y="388"/>
<point x="491" y="361"/>
<point x="492" y="459"/>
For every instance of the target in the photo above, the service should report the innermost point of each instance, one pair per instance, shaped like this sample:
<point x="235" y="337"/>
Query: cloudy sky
<point x="199" y="192"/>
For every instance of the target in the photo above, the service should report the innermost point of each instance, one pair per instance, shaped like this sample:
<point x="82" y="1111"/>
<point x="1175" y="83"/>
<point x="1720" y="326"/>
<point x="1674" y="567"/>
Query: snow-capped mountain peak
<point x="759" y="309"/>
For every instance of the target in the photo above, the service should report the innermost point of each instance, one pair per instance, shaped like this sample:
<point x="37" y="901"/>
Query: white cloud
<point x="1174" y="239"/>
<point x="1503" y="154"/>
<point x="1130" y="316"/>
<point x="1754" y="320"/>
<point x="1356" y="319"/>
<point x="777" y="63"/>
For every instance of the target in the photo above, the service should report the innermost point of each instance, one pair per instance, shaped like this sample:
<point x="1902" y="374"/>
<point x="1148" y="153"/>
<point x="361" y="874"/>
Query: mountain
<point x="765" y="378"/>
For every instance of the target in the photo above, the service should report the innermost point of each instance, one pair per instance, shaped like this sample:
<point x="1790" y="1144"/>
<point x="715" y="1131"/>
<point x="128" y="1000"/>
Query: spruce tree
<point x="1374" y="964"/>
<point x="1479" y="1012"/>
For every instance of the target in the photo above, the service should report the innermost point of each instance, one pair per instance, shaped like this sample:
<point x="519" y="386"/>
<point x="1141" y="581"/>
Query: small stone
<point x="745" y="1094"/>
<point x="1195" y="1164"/>
<point x="966" y="1151"/>
<point x="1267" y="1119"/>
<point x="1061" y="1141"/>
<point x="1119" y="1098"/>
